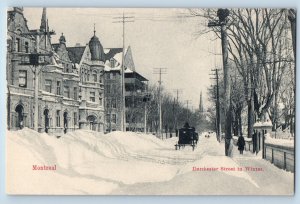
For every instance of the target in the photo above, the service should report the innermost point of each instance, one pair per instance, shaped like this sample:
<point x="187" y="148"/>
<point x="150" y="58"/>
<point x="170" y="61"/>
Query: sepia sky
<point x="158" y="38"/>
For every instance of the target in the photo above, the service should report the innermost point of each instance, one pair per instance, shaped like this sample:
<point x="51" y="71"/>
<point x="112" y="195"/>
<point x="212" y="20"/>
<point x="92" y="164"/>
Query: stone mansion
<point x="78" y="87"/>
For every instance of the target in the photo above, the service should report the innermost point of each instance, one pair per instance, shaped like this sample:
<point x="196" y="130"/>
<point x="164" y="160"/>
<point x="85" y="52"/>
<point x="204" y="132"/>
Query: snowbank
<point x="117" y="158"/>
<point x="280" y="142"/>
<point x="90" y="162"/>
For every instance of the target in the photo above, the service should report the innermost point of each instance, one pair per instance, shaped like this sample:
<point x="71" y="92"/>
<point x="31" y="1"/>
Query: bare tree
<point x="261" y="51"/>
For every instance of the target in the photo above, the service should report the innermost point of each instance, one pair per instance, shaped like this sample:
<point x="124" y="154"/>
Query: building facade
<point x="135" y="91"/>
<point x="70" y="89"/>
<point x="78" y="87"/>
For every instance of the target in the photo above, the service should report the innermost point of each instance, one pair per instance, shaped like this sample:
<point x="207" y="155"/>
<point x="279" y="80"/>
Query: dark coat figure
<point x="186" y="125"/>
<point x="241" y="144"/>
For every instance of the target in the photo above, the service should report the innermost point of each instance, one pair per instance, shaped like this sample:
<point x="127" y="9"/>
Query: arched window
<point x="95" y="76"/>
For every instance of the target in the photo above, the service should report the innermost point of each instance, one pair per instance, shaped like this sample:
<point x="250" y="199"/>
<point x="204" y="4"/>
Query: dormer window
<point x="112" y="63"/>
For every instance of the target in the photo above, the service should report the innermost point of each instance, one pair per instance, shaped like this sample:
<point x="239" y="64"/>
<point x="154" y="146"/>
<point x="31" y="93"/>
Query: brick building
<point x="135" y="91"/>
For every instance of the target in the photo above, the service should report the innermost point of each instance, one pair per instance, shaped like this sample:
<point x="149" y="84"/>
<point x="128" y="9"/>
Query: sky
<point x="158" y="39"/>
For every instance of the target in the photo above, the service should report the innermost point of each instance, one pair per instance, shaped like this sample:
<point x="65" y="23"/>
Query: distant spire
<point x="201" y="109"/>
<point x="44" y="20"/>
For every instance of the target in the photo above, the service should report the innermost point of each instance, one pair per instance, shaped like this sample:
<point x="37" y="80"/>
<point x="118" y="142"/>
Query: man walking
<point x="241" y="144"/>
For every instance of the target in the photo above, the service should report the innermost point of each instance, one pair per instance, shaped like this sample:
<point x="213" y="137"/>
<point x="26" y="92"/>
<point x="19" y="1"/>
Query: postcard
<point x="150" y="101"/>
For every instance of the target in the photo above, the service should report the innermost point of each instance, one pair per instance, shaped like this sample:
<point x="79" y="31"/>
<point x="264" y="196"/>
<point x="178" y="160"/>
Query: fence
<point x="281" y="156"/>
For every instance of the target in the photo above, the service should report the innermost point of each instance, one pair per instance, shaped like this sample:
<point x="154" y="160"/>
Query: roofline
<point x="139" y="75"/>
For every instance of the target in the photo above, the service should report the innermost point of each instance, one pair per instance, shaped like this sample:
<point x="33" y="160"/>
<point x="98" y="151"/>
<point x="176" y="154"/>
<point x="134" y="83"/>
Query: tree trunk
<point x="250" y="118"/>
<point x="240" y="128"/>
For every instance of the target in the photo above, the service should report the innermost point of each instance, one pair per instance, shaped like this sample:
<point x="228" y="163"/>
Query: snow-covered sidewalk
<point x="88" y="162"/>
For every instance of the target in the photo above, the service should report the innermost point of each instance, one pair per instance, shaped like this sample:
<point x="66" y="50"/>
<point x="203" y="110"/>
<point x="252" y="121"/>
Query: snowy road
<point x="209" y="153"/>
<point x="135" y="164"/>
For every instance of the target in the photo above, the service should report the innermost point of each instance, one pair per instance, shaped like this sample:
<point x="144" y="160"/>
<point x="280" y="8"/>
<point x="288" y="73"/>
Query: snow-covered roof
<point x="128" y="70"/>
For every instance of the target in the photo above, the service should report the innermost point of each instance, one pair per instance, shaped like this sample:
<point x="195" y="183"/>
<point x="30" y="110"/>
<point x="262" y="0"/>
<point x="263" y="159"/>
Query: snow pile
<point x="280" y="142"/>
<point x="116" y="157"/>
<point x="89" y="162"/>
<point x="222" y="164"/>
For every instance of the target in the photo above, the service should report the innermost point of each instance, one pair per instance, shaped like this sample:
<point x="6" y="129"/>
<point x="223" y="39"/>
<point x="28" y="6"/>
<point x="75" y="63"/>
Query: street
<point x="137" y="164"/>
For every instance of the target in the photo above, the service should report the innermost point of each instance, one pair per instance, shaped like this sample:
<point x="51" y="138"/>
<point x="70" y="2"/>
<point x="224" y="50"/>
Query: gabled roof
<point x="75" y="53"/>
<point x="117" y="54"/>
<point x="129" y="59"/>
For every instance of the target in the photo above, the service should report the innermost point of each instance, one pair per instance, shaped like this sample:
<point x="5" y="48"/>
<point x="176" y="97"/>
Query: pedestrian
<point x="241" y="144"/>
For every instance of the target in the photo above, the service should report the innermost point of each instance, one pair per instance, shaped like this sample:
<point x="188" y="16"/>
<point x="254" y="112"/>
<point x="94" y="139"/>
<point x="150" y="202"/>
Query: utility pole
<point x="38" y="66"/>
<point x="222" y="15"/>
<point x="160" y="71"/>
<point x="176" y="105"/>
<point x="146" y="99"/>
<point x="218" y="113"/>
<point x="123" y="19"/>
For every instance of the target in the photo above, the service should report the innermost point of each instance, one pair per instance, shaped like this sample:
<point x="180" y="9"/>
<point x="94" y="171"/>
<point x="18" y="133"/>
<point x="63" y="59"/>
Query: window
<point x="18" y="45"/>
<point x="107" y="74"/>
<point x="113" y="88"/>
<point x="67" y="92"/>
<point x="58" y="88"/>
<point x="26" y="47"/>
<point x="92" y="96"/>
<point x="95" y="77"/>
<point x="101" y="79"/>
<point x="23" y="78"/>
<point x="111" y="75"/>
<point x="48" y="85"/>
<point x="108" y="88"/>
<point x="127" y="117"/>
<point x="75" y="118"/>
<point x="58" y="118"/>
<point x="88" y="77"/>
<point x="75" y="93"/>
<point x="100" y="99"/>
<point x="108" y="118"/>
<point x="114" y="118"/>
<point x="108" y="103"/>
<point x="114" y="103"/>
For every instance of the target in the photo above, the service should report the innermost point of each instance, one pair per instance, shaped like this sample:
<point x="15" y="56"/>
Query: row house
<point x="58" y="80"/>
<point x="70" y="91"/>
<point x="79" y="87"/>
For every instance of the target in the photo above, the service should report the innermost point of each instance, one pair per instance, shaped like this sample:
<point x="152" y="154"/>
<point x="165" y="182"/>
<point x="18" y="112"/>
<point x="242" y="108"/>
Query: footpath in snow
<point x="88" y="162"/>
